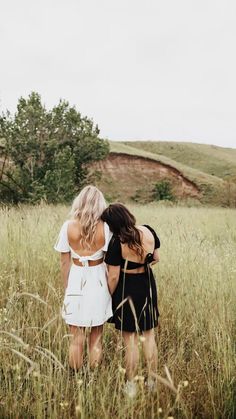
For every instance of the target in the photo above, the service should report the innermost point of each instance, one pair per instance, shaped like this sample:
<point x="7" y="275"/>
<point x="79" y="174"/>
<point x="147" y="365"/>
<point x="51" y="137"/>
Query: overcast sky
<point x="142" y="69"/>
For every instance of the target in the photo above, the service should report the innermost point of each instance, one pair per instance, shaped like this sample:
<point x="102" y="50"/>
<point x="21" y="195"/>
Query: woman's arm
<point x="156" y="257"/>
<point x="65" y="267"/>
<point x="113" y="277"/>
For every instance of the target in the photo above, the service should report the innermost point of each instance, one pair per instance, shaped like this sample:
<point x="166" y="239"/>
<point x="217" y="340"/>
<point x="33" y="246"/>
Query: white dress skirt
<point x="87" y="301"/>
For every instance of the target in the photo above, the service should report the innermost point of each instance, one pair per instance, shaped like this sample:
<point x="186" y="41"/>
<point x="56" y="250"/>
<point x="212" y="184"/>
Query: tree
<point x="44" y="153"/>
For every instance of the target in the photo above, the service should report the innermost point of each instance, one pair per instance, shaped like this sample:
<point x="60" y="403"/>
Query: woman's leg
<point x="95" y="346"/>
<point x="131" y="354"/>
<point x="76" y="346"/>
<point x="150" y="350"/>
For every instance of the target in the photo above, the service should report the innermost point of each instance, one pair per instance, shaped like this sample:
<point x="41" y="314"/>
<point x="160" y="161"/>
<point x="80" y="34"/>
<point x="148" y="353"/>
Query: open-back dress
<point x="87" y="301"/>
<point x="134" y="301"/>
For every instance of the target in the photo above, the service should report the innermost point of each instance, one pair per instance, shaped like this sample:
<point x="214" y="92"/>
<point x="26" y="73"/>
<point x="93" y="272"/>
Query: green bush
<point x="163" y="191"/>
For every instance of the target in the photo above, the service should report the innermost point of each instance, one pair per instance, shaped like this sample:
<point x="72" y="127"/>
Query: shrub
<point x="163" y="191"/>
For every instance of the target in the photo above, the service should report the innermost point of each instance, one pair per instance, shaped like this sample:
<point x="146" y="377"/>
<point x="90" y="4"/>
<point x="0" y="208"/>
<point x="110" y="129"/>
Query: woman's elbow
<point x="113" y="279"/>
<point x="113" y="274"/>
<point x="156" y="257"/>
<point x="65" y="258"/>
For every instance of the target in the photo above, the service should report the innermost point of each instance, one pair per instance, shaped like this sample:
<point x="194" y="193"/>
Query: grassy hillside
<point x="214" y="189"/>
<point x="217" y="161"/>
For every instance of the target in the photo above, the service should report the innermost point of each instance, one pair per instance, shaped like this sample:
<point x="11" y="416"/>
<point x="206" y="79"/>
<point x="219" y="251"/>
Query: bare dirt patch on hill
<point x="123" y="176"/>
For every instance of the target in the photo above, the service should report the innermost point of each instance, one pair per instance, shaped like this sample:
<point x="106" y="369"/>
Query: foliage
<point x="45" y="152"/>
<point x="163" y="191"/>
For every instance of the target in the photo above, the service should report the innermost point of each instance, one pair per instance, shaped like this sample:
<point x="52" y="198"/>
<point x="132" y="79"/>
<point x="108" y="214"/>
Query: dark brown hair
<point x="122" y="224"/>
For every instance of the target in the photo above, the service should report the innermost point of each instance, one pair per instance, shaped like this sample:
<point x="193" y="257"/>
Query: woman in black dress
<point x="131" y="251"/>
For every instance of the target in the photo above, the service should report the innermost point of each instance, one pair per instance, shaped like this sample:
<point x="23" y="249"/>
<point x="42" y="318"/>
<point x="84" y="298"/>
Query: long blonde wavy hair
<point x="88" y="207"/>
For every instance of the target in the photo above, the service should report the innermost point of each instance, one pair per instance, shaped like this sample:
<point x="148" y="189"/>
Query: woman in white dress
<point x="82" y="242"/>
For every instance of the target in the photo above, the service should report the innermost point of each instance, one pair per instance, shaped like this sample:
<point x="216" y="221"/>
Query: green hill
<point x="132" y="168"/>
<point x="216" y="161"/>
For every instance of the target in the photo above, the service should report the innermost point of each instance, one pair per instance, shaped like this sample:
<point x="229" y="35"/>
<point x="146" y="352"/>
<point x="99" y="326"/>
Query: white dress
<point x="87" y="301"/>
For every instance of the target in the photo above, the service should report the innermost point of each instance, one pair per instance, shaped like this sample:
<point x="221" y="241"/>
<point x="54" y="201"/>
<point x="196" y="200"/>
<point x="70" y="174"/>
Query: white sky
<point x="142" y="69"/>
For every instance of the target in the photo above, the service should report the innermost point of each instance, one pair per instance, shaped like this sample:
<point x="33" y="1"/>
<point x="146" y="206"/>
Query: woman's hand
<point x="113" y="277"/>
<point x="65" y="267"/>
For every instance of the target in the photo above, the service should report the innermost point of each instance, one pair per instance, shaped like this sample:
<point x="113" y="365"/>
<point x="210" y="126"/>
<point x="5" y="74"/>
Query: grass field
<point x="196" y="286"/>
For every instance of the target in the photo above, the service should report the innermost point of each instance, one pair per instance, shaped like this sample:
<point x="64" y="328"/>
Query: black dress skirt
<point x="134" y="301"/>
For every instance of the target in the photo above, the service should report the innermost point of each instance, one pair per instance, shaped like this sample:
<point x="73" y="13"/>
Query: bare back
<point x="147" y="241"/>
<point x="74" y="238"/>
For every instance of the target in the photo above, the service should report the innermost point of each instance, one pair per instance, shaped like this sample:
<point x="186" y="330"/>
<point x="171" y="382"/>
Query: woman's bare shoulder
<point x="146" y="233"/>
<point x="143" y="228"/>
<point x="100" y="229"/>
<point x="73" y="223"/>
<point x="73" y="227"/>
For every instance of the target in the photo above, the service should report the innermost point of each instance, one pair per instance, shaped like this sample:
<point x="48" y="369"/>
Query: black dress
<point x="134" y="301"/>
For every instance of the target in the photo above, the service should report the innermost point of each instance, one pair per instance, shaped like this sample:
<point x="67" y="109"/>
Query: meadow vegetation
<point x="196" y="288"/>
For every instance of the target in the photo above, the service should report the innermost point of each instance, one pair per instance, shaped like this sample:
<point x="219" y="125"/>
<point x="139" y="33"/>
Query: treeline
<point x="43" y="153"/>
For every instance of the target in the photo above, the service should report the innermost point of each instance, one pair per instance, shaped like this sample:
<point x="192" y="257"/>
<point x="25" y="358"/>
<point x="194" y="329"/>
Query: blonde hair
<point x="88" y="207"/>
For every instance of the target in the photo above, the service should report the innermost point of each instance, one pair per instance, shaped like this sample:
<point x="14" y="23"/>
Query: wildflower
<point x="77" y="410"/>
<point x="142" y="339"/>
<point x="121" y="370"/>
<point x="64" y="404"/>
<point x="185" y="383"/>
<point x="80" y="382"/>
<point x="139" y="378"/>
<point x="160" y="410"/>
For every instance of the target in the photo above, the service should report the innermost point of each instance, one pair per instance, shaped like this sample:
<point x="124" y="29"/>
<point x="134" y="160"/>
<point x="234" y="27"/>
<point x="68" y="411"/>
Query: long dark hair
<point x="122" y="224"/>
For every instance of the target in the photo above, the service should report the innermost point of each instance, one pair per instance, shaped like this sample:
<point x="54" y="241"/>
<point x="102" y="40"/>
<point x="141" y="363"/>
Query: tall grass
<point x="196" y="288"/>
